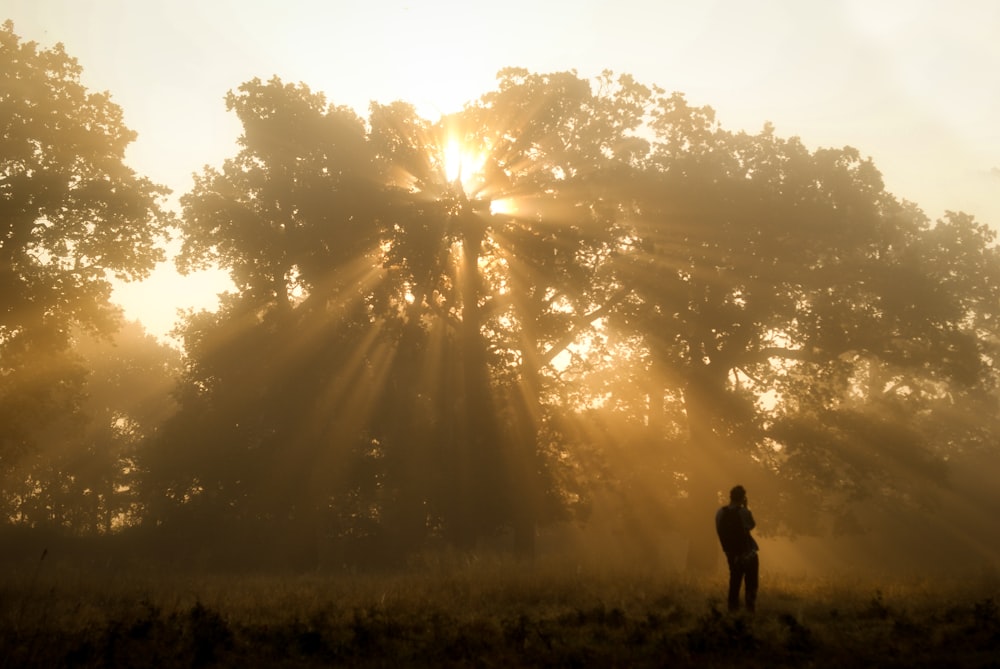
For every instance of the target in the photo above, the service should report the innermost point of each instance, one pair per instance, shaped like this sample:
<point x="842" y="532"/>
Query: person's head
<point x="738" y="495"/>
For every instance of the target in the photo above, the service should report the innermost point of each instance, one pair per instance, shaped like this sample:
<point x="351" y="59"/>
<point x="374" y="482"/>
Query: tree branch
<point x="581" y="323"/>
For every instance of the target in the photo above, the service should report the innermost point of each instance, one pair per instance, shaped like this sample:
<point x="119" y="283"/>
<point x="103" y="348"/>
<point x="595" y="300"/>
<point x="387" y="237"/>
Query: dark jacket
<point x="744" y="542"/>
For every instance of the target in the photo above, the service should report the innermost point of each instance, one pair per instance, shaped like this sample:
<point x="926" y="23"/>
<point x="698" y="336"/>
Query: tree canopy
<point x="72" y="216"/>
<point x="437" y="349"/>
<point x="574" y="299"/>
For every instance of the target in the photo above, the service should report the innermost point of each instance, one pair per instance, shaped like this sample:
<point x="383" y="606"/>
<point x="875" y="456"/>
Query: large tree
<point x="760" y="267"/>
<point x="293" y="218"/>
<point x="72" y="216"/>
<point x="387" y="293"/>
<point x="418" y="351"/>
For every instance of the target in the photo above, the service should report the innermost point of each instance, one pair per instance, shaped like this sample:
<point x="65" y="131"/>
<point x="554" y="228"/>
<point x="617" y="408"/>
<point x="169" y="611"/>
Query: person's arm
<point x="748" y="521"/>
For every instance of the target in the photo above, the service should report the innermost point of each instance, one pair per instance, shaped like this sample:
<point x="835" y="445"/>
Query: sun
<point x="464" y="165"/>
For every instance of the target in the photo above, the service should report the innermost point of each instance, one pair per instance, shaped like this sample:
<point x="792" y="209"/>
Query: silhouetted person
<point x="733" y="523"/>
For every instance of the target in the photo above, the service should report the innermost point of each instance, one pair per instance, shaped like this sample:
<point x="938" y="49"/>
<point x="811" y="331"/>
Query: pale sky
<point x="914" y="84"/>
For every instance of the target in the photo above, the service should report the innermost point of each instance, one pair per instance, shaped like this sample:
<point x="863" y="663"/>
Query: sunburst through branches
<point x="464" y="320"/>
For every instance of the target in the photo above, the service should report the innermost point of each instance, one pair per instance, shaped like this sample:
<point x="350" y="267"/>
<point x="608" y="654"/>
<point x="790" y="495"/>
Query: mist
<point x="544" y="335"/>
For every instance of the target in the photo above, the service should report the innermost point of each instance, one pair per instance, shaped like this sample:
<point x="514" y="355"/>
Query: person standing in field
<point x="733" y="523"/>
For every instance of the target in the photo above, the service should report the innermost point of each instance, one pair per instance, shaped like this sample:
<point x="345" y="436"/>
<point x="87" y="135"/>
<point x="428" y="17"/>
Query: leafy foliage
<point x="613" y="307"/>
<point x="72" y="214"/>
<point x="645" y="244"/>
<point x="86" y="475"/>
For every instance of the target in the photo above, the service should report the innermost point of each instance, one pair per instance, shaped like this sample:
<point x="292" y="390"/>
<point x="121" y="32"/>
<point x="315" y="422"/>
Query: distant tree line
<point x="619" y="309"/>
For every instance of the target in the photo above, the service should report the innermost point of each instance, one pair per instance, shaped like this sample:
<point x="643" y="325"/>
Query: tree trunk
<point x="706" y="472"/>
<point x="523" y="476"/>
<point x="476" y="468"/>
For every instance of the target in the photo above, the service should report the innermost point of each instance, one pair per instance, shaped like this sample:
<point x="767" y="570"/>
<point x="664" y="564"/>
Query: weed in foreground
<point x="486" y="617"/>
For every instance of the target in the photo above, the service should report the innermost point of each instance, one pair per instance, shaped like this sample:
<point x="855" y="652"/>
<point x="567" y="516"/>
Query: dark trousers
<point x="743" y="571"/>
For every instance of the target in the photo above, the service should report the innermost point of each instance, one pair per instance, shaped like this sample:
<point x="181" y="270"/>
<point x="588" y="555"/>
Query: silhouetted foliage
<point x="756" y="265"/>
<point x="385" y="372"/>
<point x="611" y="311"/>
<point x="72" y="215"/>
<point x="87" y="479"/>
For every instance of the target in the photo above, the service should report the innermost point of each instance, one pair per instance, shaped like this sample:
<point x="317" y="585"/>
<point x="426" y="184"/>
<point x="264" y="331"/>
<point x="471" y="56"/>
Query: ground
<point x="482" y="613"/>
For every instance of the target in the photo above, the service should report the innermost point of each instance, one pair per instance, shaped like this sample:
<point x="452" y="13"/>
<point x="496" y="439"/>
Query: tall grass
<point x="488" y="612"/>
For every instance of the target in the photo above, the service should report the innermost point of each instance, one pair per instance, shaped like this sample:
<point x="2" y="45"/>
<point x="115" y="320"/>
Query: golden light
<point x="463" y="164"/>
<point x="503" y="206"/>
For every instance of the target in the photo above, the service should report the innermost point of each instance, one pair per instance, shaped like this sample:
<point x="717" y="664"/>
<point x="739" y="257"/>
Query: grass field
<point x="479" y="613"/>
